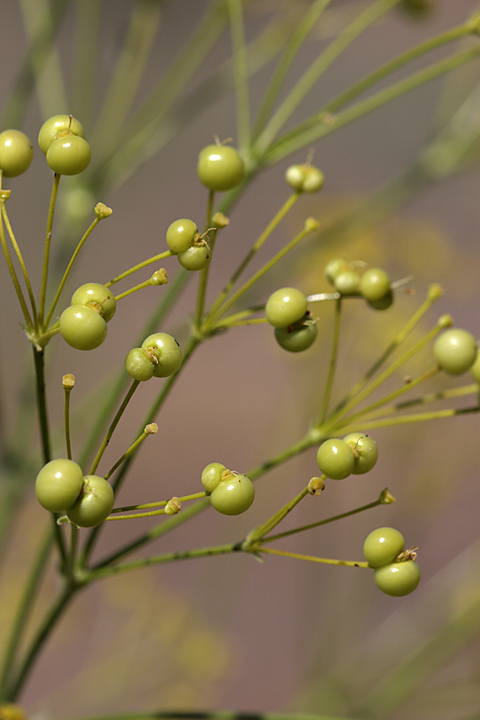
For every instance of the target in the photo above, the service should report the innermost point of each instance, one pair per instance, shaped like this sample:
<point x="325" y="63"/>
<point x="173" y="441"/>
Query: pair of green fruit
<point x="356" y="454"/>
<point x="62" y="487"/>
<point x="373" y="284"/>
<point x="160" y="356"/>
<point x="192" y="249"/>
<point x="394" y="575"/>
<point x="83" y="325"/>
<point x="287" y="310"/>
<point x="62" y="140"/>
<point x="231" y="493"/>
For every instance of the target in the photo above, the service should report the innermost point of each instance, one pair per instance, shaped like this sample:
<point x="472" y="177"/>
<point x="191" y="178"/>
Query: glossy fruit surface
<point x="365" y="451"/>
<point x="375" y="284"/>
<point x="94" y="504"/>
<point x="98" y="294"/>
<point x="220" y="167"/>
<point x="82" y="328"/>
<point x="382" y="304"/>
<point x="382" y="546"/>
<point x="180" y="235"/>
<point x="56" y="127"/>
<point x="212" y="475"/>
<point x="138" y="365"/>
<point x="314" y="180"/>
<point x="334" y="268"/>
<point x="335" y="459"/>
<point x="455" y="351"/>
<point x="167" y="352"/>
<point x="69" y="155"/>
<point x="398" y="579"/>
<point x="347" y="282"/>
<point x="233" y="495"/>
<point x="195" y="258"/>
<point x="285" y="307"/>
<point x="58" y="484"/>
<point x="298" y="338"/>
<point x="16" y="153"/>
<point x="295" y="175"/>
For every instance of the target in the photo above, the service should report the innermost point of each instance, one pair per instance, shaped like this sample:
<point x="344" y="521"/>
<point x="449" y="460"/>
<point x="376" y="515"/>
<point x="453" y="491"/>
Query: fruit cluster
<point x="396" y="572"/>
<point x="356" y="454"/>
<point x="83" y="325"/>
<point x="231" y="493"/>
<point x="287" y="311"/>
<point x="373" y="283"/>
<point x="160" y="356"/>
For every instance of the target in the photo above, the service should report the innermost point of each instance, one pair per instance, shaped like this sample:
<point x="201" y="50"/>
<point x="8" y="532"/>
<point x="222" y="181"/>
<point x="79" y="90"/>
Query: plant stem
<point x="259" y="532"/>
<point x="312" y="558"/>
<point x="333" y="363"/>
<point x="184" y="498"/>
<point x="413" y="418"/>
<point x="140" y="266"/>
<point x="46" y="255"/>
<point x="22" y="263"/>
<point x="13" y="274"/>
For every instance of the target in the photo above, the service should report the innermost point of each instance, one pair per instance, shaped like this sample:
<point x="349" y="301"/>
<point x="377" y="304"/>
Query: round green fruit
<point x="212" y="475"/>
<point x="347" y="282"/>
<point x="314" y="180"/>
<point x="298" y="337"/>
<point x="285" y="307"/>
<point x="335" y="459"/>
<point x="382" y="546"/>
<point x="58" y="484"/>
<point x="166" y="353"/>
<point x="334" y="268"/>
<point x="94" y="504"/>
<point x="195" y="257"/>
<point x="99" y="295"/>
<point x="69" y="155"/>
<point x="220" y="167"/>
<point x="455" y="351"/>
<point x="398" y="579"/>
<point x="56" y="127"/>
<point x="82" y="327"/>
<point x="365" y="451"/>
<point x="181" y="234"/>
<point x="16" y="153"/>
<point x="138" y="365"/>
<point x="233" y="495"/>
<point x="375" y="284"/>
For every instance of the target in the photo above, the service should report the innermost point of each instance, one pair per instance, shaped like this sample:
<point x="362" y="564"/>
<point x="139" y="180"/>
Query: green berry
<point x="16" y="153"/>
<point x="475" y="369"/>
<point x="99" y="296"/>
<point x="398" y="579"/>
<point x="165" y="352"/>
<point x="382" y="546"/>
<point x="298" y="337"/>
<point x="455" y="351"/>
<point x="334" y="268"/>
<point x="295" y="175"/>
<point x="138" y="365"/>
<point x="285" y="307"/>
<point x="314" y="180"/>
<point x="56" y="127"/>
<point x="69" y="155"/>
<point x="58" y="484"/>
<point x="335" y="459"/>
<point x="94" y="504"/>
<point x="347" y="282"/>
<point x="220" y="167"/>
<point x="212" y="475"/>
<point x="382" y="304"/>
<point x="233" y="495"/>
<point x="181" y="234"/>
<point x="375" y="284"/>
<point x="196" y="257"/>
<point x="365" y="452"/>
<point x="82" y="327"/>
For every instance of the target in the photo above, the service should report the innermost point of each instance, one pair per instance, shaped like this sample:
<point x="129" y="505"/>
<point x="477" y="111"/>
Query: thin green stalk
<point x="260" y="273"/>
<point x="312" y="558"/>
<point x="367" y="18"/>
<point x="15" y="686"/>
<point x="259" y="532"/>
<point x="434" y="294"/>
<point x="240" y="73"/>
<point x="287" y="533"/>
<point x="230" y="323"/>
<point x="388" y="372"/>
<point x="140" y="266"/>
<point x="413" y="418"/>
<point x="204" y="274"/>
<point x="161" y="503"/>
<point x="13" y="275"/>
<point x="128" y="452"/>
<point x="22" y="264"/>
<point x="24" y="608"/>
<point x="113" y="425"/>
<point x="68" y="269"/>
<point x="333" y="363"/>
<point x="272" y="225"/>
<point x="73" y="551"/>
<point x="46" y="255"/>
<point x="296" y="140"/>
<point x="101" y="573"/>
<point x="129" y="69"/>
<point x="68" y="442"/>
<point x="297" y="40"/>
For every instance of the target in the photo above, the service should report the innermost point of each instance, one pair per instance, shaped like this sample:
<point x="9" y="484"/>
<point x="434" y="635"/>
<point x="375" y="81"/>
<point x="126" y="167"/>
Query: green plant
<point x="122" y="140"/>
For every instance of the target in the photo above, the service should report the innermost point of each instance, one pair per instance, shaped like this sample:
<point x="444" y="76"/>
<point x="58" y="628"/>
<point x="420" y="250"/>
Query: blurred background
<point x="230" y="632"/>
